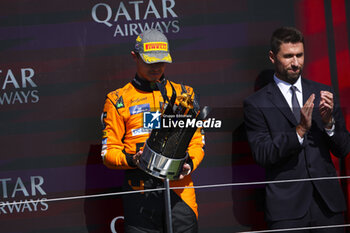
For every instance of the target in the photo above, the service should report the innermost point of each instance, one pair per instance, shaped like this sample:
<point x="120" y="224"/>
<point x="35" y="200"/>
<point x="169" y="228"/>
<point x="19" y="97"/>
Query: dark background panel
<point x="50" y="127"/>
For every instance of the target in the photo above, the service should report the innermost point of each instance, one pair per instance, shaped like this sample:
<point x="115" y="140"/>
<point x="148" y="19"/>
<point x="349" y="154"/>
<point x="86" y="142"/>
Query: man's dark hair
<point x="285" y="35"/>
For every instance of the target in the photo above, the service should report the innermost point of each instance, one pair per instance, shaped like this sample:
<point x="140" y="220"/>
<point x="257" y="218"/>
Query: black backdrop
<point x="59" y="59"/>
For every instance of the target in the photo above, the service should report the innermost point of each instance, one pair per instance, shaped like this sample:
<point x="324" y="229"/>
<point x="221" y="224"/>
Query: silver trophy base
<point x="160" y="166"/>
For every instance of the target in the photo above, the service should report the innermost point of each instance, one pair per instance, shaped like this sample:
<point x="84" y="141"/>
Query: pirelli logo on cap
<point x="155" y="46"/>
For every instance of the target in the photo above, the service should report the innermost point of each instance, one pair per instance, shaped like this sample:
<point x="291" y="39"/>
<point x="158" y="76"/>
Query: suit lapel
<point x="277" y="98"/>
<point x="307" y="90"/>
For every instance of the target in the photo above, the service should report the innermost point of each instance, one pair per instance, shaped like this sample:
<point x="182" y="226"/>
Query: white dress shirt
<point x="287" y="92"/>
<point x="285" y="88"/>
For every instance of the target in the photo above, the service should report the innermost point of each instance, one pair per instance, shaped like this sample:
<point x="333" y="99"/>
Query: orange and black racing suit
<point x="124" y="135"/>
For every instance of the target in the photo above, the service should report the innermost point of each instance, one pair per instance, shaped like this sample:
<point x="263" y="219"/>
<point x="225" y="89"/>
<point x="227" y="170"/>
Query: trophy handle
<point x="203" y="114"/>
<point x="162" y="89"/>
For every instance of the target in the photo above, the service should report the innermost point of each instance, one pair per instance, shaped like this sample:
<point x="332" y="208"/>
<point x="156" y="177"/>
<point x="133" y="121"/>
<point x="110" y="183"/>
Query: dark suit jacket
<point x="271" y="130"/>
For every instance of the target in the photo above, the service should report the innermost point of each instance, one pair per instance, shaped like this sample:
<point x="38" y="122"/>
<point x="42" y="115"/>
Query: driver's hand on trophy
<point x="186" y="169"/>
<point x="136" y="157"/>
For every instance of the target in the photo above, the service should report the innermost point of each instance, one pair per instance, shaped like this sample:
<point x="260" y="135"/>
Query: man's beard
<point x="292" y="77"/>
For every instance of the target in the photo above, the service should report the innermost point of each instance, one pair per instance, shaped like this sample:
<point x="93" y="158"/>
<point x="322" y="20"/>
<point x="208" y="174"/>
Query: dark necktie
<point x="295" y="104"/>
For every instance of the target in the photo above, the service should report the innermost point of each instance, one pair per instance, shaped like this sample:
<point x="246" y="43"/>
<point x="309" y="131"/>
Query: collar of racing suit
<point x="145" y="85"/>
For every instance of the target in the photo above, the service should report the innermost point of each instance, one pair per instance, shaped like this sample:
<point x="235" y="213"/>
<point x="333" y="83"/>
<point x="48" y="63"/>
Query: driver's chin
<point x="153" y="78"/>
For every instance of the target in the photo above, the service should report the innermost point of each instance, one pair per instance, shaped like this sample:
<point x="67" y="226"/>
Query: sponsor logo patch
<point x="139" y="108"/>
<point x="104" y="150"/>
<point x="104" y="141"/>
<point x="155" y="59"/>
<point x="103" y="117"/>
<point x="140" y="131"/>
<point x="155" y="46"/>
<point x="134" y="101"/>
<point x="104" y="134"/>
<point x="120" y="103"/>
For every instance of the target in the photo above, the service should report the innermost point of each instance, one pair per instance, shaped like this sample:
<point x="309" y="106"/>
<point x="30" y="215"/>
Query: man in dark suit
<point x="292" y="125"/>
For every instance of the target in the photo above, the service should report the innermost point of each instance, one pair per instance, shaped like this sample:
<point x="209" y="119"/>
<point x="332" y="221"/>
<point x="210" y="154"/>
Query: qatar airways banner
<point x="162" y="14"/>
<point x="59" y="59"/>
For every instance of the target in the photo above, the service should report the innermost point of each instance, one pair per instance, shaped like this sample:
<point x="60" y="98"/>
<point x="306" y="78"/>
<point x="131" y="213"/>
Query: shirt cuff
<point x="129" y="159"/>
<point x="301" y="140"/>
<point x="330" y="131"/>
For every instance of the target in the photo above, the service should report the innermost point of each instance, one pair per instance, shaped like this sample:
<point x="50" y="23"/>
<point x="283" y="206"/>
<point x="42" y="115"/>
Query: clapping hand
<point x="326" y="107"/>
<point x="306" y="116"/>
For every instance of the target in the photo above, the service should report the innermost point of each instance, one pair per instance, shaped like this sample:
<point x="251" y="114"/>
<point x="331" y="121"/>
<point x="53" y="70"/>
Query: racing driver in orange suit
<point x="124" y="135"/>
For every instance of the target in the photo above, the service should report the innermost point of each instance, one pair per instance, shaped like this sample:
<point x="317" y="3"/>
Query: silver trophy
<point x="165" y="151"/>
